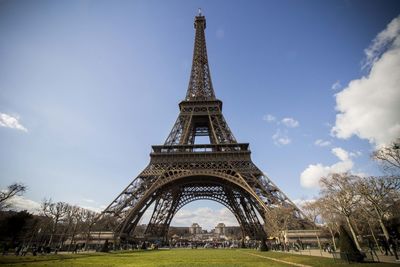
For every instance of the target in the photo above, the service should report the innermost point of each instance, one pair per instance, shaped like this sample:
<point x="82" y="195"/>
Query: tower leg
<point x="164" y="210"/>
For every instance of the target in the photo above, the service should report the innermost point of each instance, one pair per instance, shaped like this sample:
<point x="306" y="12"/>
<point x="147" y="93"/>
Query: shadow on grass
<point x="61" y="257"/>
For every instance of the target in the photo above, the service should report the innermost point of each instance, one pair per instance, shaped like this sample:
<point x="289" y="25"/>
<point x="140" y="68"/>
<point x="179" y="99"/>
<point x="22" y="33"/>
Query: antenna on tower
<point x="199" y="11"/>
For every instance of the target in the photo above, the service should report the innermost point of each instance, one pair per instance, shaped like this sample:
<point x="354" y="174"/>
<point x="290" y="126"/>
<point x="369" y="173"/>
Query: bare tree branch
<point x="379" y="193"/>
<point x="389" y="157"/>
<point x="11" y="191"/>
<point x="339" y="195"/>
<point x="57" y="212"/>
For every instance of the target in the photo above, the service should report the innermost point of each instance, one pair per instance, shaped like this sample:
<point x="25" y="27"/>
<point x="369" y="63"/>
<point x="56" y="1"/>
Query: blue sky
<point x="86" y="87"/>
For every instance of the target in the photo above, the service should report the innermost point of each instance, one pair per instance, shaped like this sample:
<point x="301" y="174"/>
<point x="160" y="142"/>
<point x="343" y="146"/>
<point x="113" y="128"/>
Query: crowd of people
<point x="34" y="250"/>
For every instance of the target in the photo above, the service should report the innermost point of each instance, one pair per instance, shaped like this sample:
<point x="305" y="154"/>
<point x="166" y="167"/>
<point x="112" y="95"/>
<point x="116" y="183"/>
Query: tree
<point x="348" y="248"/>
<point x="312" y="209"/>
<point x="13" y="226"/>
<point x="263" y="245"/>
<point x="338" y="194"/>
<point x="72" y="220"/>
<point x="367" y="220"/>
<point x="88" y="219"/>
<point x="379" y="193"/>
<point x="55" y="211"/>
<point x="11" y="191"/>
<point x="105" y="247"/>
<point x="279" y="219"/>
<point x="329" y="218"/>
<point x="389" y="157"/>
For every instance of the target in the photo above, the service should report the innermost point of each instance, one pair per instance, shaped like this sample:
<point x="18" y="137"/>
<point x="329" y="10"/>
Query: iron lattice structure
<point x="181" y="171"/>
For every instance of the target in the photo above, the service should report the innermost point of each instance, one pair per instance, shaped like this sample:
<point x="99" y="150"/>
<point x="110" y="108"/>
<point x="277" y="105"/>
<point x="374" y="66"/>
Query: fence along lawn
<point x="176" y="257"/>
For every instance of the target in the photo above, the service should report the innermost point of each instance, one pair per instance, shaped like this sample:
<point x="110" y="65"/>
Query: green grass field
<point x="175" y="257"/>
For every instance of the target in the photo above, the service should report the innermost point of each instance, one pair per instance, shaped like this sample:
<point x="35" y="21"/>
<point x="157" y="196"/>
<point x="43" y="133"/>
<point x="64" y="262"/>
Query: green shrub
<point x="105" y="247"/>
<point x="263" y="245"/>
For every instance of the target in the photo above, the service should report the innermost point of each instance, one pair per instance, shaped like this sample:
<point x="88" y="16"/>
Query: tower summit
<point x="200" y="112"/>
<point x="182" y="170"/>
<point x="200" y="85"/>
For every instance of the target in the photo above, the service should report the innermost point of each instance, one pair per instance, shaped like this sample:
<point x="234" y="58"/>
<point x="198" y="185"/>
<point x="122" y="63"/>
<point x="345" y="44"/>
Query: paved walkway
<point x="278" y="260"/>
<point x="321" y="253"/>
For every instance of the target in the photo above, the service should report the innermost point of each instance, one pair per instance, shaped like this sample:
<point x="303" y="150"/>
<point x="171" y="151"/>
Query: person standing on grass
<point x="393" y="246"/>
<point x="5" y="248"/>
<point x="385" y="246"/>
<point x="17" y="250"/>
<point x="76" y="249"/>
<point x="34" y="250"/>
<point x="24" y="250"/>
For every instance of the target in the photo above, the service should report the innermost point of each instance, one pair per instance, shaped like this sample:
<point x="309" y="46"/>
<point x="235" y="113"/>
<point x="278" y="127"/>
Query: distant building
<point x="195" y="229"/>
<point x="94" y="239"/>
<point x="179" y="231"/>
<point x="309" y="237"/>
<point x="228" y="232"/>
<point x="220" y="229"/>
<point x="194" y="233"/>
<point x="233" y="232"/>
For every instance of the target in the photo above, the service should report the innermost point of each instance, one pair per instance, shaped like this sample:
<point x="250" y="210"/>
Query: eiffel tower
<point x="182" y="171"/>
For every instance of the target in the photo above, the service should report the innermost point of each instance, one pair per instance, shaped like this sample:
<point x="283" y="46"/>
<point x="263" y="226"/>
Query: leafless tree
<point x="338" y="194"/>
<point x="55" y="211"/>
<point x="71" y="220"/>
<point x="379" y="192"/>
<point x="279" y="219"/>
<point x="88" y="219"/>
<point x="312" y="210"/>
<point x="389" y="157"/>
<point x="11" y="191"/>
<point x="329" y="218"/>
<point x="367" y="220"/>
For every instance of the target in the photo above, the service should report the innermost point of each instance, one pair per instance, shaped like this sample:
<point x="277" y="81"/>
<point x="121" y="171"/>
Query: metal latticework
<point x="182" y="171"/>
<point x="200" y="85"/>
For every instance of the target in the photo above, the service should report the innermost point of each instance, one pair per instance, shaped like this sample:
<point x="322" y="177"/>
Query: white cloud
<point x="290" y="122"/>
<point x="361" y="174"/>
<point x="384" y="39"/>
<point x="98" y="209"/>
<point x="269" y="118"/>
<point x="336" y="86"/>
<point x="284" y="140"/>
<point x="89" y="200"/>
<point x="9" y="121"/>
<point x="21" y="203"/>
<point x="339" y="152"/>
<point x="311" y="176"/>
<point x="207" y="218"/>
<point x="369" y="107"/>
<point x="320" y="142"/>
<point x="302" y="201"/>
<point x="281" y="138"/>
<point x="355" y="154"/>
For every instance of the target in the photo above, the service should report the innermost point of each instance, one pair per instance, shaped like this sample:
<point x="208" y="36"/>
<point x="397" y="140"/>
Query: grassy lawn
<point x="175" y="257"/>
